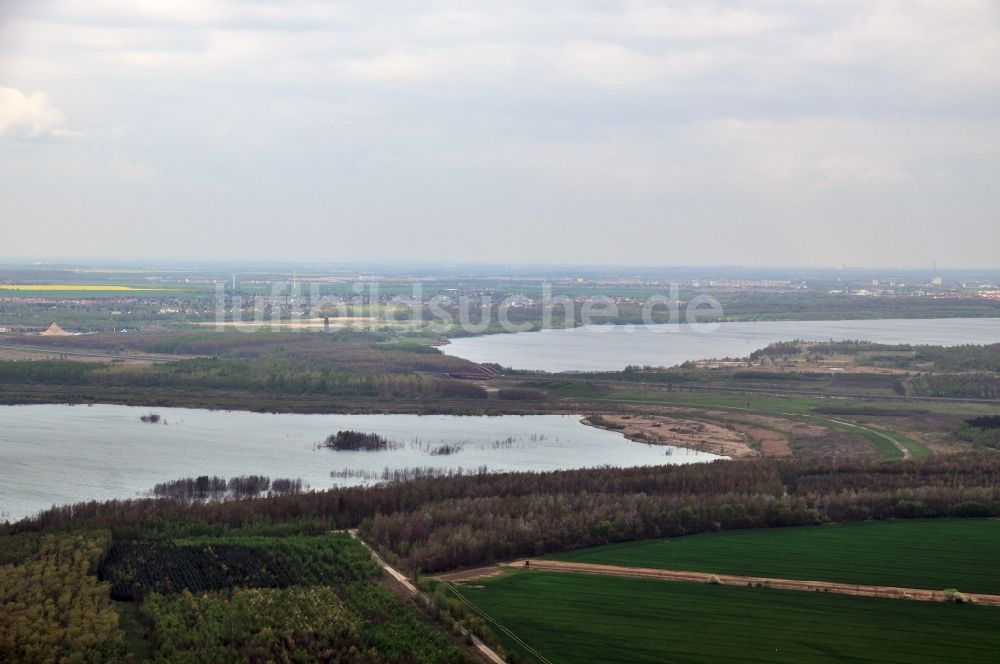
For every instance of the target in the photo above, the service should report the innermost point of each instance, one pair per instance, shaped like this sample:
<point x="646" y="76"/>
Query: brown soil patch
<point x="470" y="574"/>
<point x="771" y="442"/>
<point x="764" y="435"/>
<point x="815" y="441"/>
<point x="689" y="433"/>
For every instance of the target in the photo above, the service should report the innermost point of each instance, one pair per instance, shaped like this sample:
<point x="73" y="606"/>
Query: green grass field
<point x="585" y="618"/>
<point x="777" y="405"/>
<point x="917" y="451"/>
<point x="914" y="553"/>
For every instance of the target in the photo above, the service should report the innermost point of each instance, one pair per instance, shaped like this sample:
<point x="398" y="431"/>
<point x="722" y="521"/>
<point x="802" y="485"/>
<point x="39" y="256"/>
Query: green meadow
<point x="913" y="553"/>
<point x="586" y="618"/>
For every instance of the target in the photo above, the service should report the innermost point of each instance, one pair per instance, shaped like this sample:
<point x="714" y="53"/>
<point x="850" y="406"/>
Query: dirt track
<point x="892" y="592"/>
<point x="400" y="578"/>
<point x="476" y="573"/>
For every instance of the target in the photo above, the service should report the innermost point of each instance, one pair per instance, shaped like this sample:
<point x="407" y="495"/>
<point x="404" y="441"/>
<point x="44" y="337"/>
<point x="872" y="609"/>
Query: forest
<point x="982" y="431"/>
<point x="204" y="487"/>
<point x="54" y="609"/>
<point x="240" y="598"/>
<point x="134" y="568"/>
<point x="200" y="579"/>
<point x="253" y="625"/>
<point x="967" y="385"/>
<point x="439" y="523"/>
<point x="486" y="525"/>
<point x="963" y="357"/>
<point x="270" y="376"/>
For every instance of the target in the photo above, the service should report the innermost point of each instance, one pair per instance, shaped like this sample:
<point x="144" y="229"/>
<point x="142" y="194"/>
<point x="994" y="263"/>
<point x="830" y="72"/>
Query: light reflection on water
<point x="613" y="347"/>
<point x="57" y="454"/>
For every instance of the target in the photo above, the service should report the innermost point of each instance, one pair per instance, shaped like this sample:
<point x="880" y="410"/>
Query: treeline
<point x="356" y="351"/>
<point x="955" y="385"/>
<point x="348" y="506"/>
<point x="285" y="377"/>
<point x="46" y="372"/>
<point x="358" y="441"/>
<point x="520" y="394"/>
<point x="470" y="531"/>
<point x="442" y="523"/>
<point x="985" y="422"/>
<point x="454" y="389"/>
<point x="777" y="349"/>
<point x="204" y="487"/>
<point x="869" y="411"/>
<point x="273" y="376"/>
<point x="968" y="357"/>
<point x="981" y="431"/>
<point x="426" y="472"/>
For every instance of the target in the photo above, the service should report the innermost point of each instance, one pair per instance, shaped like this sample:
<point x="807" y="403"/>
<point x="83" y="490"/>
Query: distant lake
<point x="614" y="347"/>
<point x="58" y="454"/>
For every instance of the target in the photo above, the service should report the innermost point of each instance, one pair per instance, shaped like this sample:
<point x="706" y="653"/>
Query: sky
<point x="849" y="133"/>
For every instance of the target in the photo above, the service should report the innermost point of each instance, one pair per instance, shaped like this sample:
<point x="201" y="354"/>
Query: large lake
<point x="613" y="347"/>
<point x="57" y="454"/>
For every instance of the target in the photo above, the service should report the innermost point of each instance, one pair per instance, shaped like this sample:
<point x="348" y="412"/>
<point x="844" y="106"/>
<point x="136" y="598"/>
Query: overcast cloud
<point x="782" y="133"/>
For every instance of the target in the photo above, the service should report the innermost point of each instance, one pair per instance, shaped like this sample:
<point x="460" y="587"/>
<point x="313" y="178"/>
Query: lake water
<point x="613" y="347"/>
<point x="58" y="454"/>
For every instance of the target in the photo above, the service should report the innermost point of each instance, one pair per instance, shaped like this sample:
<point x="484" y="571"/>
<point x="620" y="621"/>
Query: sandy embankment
<point x="692" y="434"/>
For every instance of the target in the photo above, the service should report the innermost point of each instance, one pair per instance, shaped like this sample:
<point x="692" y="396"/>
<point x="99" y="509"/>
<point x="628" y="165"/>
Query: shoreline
<point x="640" y="437"/>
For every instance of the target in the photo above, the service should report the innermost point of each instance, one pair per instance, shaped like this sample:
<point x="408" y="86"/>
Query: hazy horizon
<point x="307" y="268"/>
<point x="755" y="135"/>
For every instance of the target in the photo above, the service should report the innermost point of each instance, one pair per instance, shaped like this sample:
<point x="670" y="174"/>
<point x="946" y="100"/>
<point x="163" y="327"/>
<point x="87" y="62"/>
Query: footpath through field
<point x="921" y="594"/>
<point x="484" y="649"/>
